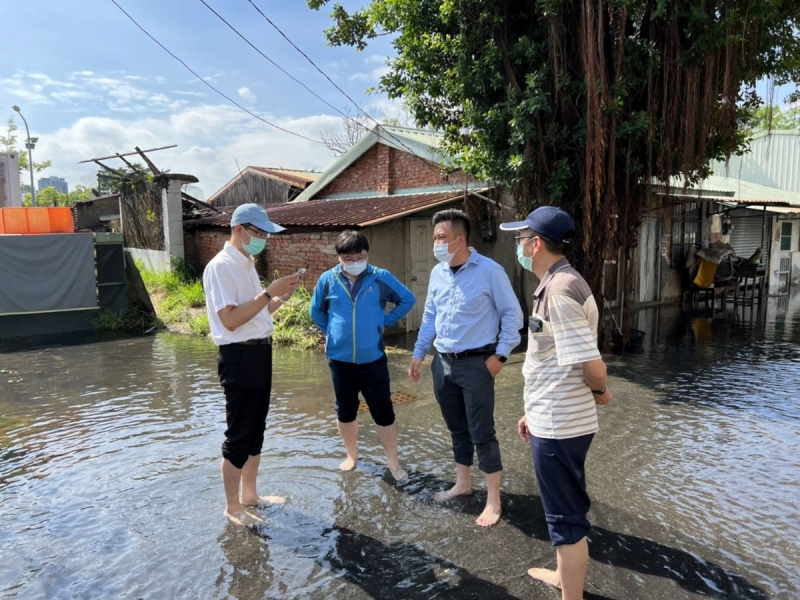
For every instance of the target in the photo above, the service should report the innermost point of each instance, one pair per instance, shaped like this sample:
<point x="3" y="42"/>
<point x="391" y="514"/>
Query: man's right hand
<point x="284" y="286"/>
<point x="413" y="369"/>
<point x="522" y="429"/>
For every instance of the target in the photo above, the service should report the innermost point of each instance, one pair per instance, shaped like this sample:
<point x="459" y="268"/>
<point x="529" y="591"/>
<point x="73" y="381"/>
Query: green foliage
<point x="774" y="118"/>
<point x="179" y="301"/>
<point x="9" y="144"/>
<point x="581" y="103"/>
<point x="50" y="197"/>
<point x="293" y="324"/>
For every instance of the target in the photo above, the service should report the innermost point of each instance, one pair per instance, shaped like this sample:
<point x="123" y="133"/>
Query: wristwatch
<point x="267" y="294"/>
<point x="501" y="358"/>
<point x="600" y="392"/>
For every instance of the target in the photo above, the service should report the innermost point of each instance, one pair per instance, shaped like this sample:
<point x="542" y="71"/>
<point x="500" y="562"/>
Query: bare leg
<point x="231" y="477"/>
<point x="349" y="433"/>
<point x="491" y="514"/>
<point x="250" y="496"/>
<point x="573" y="561"/>
<point x="463" y="486"/>
<point x="388" y="437"/>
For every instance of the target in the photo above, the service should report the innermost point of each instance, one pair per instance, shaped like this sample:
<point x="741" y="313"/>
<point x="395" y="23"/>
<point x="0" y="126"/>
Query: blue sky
<point x="90" y="83"/>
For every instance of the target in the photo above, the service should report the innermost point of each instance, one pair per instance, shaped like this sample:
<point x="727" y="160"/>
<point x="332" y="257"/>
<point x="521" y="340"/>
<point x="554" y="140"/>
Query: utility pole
<point x="30" y="145"/>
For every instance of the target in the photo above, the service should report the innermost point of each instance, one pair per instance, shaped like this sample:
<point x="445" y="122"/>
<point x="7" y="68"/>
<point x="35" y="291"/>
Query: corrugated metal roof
<point x="772" y="160"/>
<point x="361" y="212"/>
<point x="290" y="176"/>
<point x="730" y="189"/>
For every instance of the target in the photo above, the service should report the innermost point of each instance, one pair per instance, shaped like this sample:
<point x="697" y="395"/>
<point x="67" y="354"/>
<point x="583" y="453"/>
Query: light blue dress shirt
<point x="472" y="308"/>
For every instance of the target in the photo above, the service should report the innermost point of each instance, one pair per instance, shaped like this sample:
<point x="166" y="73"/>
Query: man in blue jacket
<point x="349" y="306"/>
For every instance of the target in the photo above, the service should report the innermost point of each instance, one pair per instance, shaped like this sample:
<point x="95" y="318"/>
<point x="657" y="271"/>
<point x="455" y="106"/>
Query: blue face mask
<point x="525" y="261"/>
<point x="255" y="245"/>
<point x="442" y="253"/>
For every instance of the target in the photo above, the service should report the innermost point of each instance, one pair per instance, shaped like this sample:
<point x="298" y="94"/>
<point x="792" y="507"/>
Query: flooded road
<point x="110" y="486"/>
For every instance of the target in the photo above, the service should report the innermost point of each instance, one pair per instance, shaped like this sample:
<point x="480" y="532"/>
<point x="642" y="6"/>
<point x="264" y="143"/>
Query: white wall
<point x="154" y="260"/>
<point x="10" y="193"/>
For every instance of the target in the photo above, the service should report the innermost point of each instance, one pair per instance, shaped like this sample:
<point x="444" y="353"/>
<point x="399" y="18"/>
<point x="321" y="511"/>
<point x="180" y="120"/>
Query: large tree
<point x="582" y="103"/>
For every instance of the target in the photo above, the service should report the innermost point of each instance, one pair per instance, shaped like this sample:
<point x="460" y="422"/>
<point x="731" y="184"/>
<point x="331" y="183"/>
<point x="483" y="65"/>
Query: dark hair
<point x="458" y="219"/>
<point x="351" y="242"/>
<point x="553" y="247"/>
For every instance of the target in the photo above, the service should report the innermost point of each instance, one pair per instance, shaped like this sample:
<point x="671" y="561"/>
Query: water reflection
<point x="109" y="477"/>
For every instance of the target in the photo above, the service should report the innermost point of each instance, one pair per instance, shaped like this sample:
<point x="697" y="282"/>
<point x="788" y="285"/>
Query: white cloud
<point x="374" y="74"/>
<point x="246" y="93"/>
<point x="210" y="139"/>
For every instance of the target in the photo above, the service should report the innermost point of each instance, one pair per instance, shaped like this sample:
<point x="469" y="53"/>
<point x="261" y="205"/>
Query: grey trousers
<point x="464" y="389"/>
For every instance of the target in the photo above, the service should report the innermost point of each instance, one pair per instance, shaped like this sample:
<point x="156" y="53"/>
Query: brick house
<point x="388" y="185"/>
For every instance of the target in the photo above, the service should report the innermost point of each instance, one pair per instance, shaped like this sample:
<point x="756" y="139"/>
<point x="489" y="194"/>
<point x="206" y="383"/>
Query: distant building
<point x="9" y="180"/>
<point x="57" y="182"/>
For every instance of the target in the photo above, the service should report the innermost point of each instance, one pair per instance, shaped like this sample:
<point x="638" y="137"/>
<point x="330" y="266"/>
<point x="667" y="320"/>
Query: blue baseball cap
<point x="550" y="221"/>
<point x="255" y="215"/>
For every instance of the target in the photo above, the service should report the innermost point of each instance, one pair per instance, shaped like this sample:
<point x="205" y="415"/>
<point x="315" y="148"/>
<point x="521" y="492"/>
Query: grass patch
<point x="180" y="303"/>
<point x="293" y="324"/>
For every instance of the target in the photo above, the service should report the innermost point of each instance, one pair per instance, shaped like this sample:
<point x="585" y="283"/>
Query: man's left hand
<point x="494" y="365"/>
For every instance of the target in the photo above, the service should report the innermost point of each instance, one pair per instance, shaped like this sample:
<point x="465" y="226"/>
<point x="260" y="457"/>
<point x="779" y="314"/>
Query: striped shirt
<point x="562" y="335"/>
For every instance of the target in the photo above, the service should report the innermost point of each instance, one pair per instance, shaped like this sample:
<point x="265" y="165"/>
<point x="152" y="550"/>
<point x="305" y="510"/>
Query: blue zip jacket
<point x="353" y="327"/>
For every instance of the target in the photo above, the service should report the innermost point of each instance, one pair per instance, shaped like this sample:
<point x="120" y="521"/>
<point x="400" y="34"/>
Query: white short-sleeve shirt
<point x="230" y="279"/>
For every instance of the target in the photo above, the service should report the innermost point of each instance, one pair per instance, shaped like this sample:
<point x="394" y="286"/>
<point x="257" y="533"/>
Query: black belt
<point x="261" y="342"/>
<point x="482" y="351"/>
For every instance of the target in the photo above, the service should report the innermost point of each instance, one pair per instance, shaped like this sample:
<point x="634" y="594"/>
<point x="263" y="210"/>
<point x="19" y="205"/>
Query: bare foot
<point x="398" y="473"/>
<point x="546" y="575"/>
<point x="490" y="516"/>
<point x="264" y="501"/>
<point x="243" y="518"/>
<point x="453" y="492"/>
<point x="348" y="464"/>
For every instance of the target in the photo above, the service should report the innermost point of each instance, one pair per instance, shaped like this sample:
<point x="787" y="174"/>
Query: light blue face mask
<point x="255" y="245"/>
<point x="440" y="251"/>
<point x="525" y="261"/>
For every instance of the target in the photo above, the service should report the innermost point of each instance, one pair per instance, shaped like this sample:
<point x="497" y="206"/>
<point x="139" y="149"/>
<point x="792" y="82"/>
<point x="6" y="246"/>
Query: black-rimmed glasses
<point x="256" y="232"/>
<point x="519" y="238"/>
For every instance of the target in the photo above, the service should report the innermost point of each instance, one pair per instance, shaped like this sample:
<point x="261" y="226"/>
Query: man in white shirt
<point x="239" y="313"/>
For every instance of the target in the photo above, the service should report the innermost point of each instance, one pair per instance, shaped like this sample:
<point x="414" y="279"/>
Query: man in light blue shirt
<point x="472" y="317"/>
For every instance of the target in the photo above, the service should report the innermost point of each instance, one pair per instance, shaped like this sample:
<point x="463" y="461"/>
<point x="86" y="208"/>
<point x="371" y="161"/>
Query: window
<point x="685" y="232"/>
<point x="786" y="236"/>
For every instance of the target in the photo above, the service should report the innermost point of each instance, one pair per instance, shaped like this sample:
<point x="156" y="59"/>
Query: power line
<point x="193" y="72"/>
<point x="345" y="94"/>
<point x="272" y="62"/>
<point x="295" y="79"/>
<point x="308" y="58"/>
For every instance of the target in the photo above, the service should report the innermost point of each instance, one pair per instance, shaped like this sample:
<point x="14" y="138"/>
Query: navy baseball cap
<point x="255" y="215"/>
<point x="550" y="221"/>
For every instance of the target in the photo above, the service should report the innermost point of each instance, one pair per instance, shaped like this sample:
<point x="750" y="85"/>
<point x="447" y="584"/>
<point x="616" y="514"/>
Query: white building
<point x="10" y="193"/>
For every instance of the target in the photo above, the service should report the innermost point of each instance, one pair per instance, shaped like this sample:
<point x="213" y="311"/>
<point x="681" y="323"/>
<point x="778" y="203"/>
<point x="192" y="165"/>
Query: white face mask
<point x="355" y="268"/>
<point x="442" y="252"/>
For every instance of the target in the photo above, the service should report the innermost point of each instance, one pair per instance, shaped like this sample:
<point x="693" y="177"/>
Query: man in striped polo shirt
<point x="565" y="378"/>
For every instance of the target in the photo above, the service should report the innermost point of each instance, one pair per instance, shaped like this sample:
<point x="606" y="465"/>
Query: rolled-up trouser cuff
<point x="567" y="529"/>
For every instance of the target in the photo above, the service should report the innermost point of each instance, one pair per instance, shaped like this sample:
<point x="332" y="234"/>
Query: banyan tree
<point x="583" y="103"/>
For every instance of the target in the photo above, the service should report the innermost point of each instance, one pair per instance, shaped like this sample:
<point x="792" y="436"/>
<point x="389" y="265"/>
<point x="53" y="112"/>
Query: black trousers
<point x="245" y="373"/>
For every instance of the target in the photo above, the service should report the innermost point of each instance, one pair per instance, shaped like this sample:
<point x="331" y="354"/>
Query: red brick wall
<point x="362" y="175"/>
<point x="383" y="169"/>
<point x="286" y="253"/>
<point x="313" y="251"/>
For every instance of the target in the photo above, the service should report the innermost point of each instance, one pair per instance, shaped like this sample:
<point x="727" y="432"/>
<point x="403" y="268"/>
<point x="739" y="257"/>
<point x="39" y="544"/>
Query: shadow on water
<point x="647" y="557"/>
<point x="403" y="570"/>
